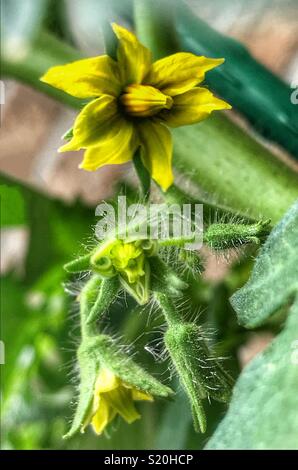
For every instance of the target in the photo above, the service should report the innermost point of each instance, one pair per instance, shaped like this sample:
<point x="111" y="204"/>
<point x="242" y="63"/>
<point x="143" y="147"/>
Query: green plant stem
<point x="155" y="26"/>
<point x="95" y="298"/>
<point x="46" y="52"/>
<point x="143" y="175"/>
<point x="168" y="308"/>
<point x="226" y="162"/>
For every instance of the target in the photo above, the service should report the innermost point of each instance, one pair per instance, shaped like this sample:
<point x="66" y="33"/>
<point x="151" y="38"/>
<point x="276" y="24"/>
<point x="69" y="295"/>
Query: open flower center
<point x="144" y="100"/>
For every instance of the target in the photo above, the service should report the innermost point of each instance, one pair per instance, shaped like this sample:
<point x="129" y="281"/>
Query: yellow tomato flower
<point x="133" y="100"/>
<point x="113" y="397"/>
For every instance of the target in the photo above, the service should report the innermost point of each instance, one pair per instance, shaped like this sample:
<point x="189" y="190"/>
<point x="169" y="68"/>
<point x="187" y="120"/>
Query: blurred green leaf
<point x="12" y="206"/>
<point x="245" y="83"/>
<point x="274" y="279"/>
<point x="264" y="410"/>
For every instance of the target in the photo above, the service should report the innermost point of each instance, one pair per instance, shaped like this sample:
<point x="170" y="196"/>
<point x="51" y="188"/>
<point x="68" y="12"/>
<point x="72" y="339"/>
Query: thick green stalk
<point x="226" y="162"/>
<point x="168" y="308"/>
<point x="154" y="26"/>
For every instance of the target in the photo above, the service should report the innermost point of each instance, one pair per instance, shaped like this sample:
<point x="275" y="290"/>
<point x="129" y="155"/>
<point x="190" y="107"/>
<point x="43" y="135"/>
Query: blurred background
<point x="39" y="315"/>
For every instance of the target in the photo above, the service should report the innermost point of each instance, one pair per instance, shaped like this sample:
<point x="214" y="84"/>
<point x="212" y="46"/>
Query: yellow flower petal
<point x="120" y="149"/>
<point x="134" y="59"/>
<point x="179" y="72"/>
<point x="106" y="381"/>
<point x="121" y="401"/>
<point x="157" y="149"/>
<point x="192" y="106"/>
<point x="96" y="122"/>
<point x="102" y="417"/>
<point x="86" y="78"/>
<point x="139" y="395"/>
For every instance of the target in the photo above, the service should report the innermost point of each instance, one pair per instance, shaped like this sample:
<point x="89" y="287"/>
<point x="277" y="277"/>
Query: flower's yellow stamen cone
<point x="144" y="100"/>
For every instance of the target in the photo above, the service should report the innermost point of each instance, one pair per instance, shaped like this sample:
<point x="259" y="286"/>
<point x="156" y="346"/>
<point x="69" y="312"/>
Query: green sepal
<point x="223" y="236"/>
<point x="89" y="367"/>
<point x="106" y="295"/>
<point x="68" y="135"/>
<point x="165" y="279"/>
<point x="79" y="265"/>
<point x="126" y="368"/>
<point x="201" y="374"/>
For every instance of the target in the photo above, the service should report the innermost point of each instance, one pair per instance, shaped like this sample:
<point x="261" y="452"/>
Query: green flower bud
<point x="223" y="236"/>
<point x="201" y="375"/>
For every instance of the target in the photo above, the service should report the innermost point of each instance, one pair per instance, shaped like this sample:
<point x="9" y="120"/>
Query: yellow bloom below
<point x="113" y="397"/>
<point x="133" y="100"/>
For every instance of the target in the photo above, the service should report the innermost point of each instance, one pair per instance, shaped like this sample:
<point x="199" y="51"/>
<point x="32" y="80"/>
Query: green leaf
<point x="264" y="410"/>
<point x="12" y="206"/>
<point x="274" y="280"/>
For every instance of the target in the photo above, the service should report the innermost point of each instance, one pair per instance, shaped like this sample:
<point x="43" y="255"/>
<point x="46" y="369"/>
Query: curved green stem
<point x="155" y="26"/>
<point x="44" y="53"/>
<point x="95" y="298"/>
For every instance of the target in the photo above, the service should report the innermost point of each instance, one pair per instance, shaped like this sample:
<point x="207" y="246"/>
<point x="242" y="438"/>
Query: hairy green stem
<point x="96" y="297"/>
<point x="168" y="308"/>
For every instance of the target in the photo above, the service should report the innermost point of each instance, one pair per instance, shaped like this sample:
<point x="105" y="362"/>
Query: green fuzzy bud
<point x="99" y="352"/>
<point x="104" y="267"/>
<point x="223" y="236"/>
<point x="202" y="376"/>
<point x="150" y="247"/>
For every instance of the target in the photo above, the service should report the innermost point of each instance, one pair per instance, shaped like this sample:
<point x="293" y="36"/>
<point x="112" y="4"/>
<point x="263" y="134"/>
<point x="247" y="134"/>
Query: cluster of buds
<point x="111" y="381"/>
